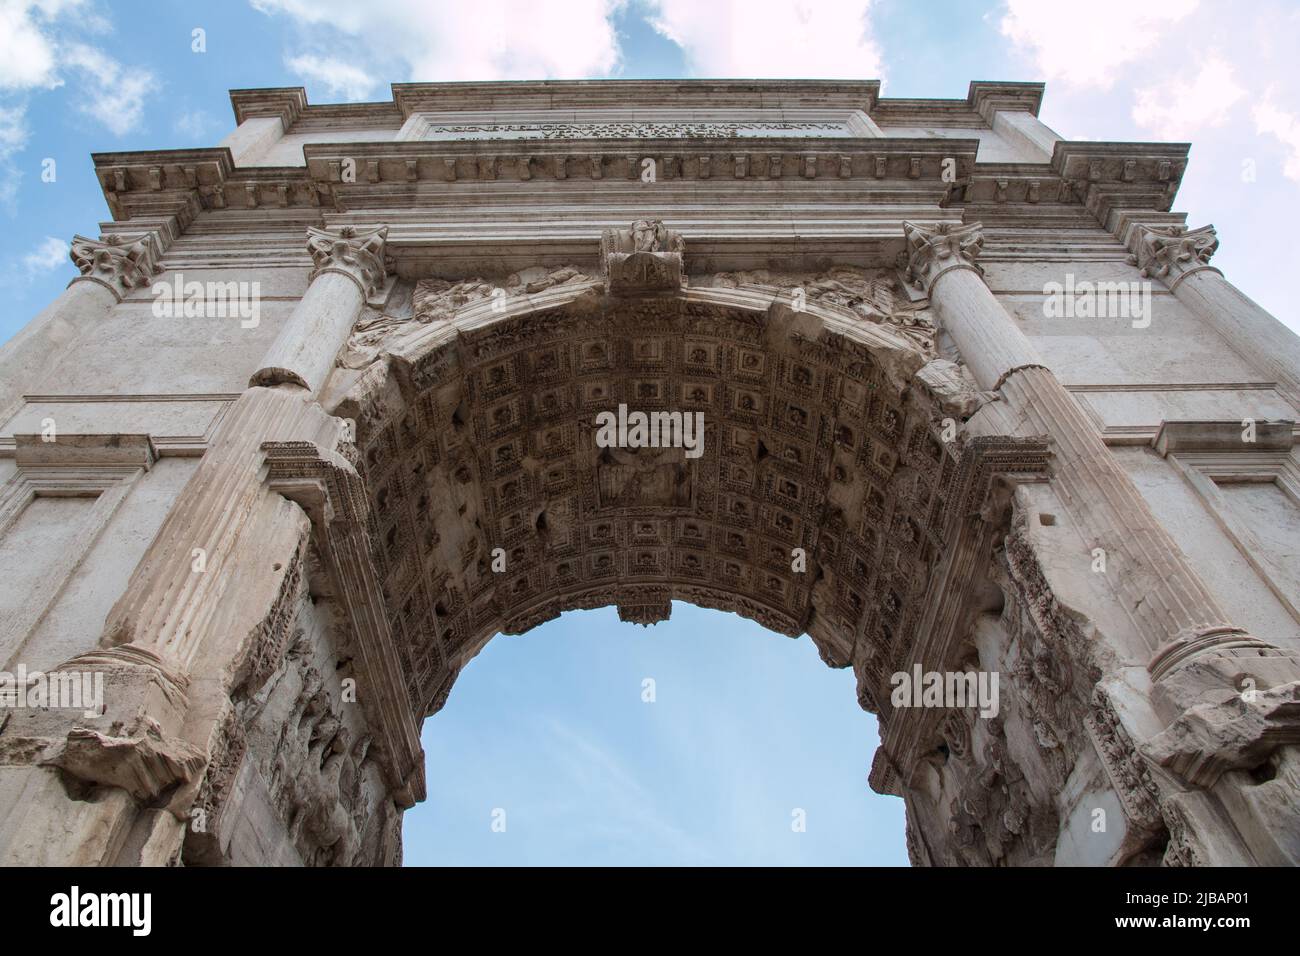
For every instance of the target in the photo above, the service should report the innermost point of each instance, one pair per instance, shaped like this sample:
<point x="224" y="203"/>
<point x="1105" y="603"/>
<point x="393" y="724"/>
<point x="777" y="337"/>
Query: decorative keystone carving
<point x="357" y="253"/>
<point x="1172" y="253"/>
<point x="119" y="263"/>
<point x="645" y="258"/>
<point x="934" y="250"/>
<point x="645" y="614"/>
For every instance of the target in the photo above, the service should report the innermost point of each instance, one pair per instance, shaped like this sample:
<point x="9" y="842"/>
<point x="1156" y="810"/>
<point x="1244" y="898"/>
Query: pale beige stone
<point x="279" y="542"/>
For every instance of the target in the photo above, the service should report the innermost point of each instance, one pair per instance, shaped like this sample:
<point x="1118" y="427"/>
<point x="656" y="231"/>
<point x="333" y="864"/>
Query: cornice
<point x="988" y="97"/>
<point x="1109" y="180"/>
<point x="943" y="114"/>
<point x="705" y="94"/>
<point x="285" y="102"/>
<point x="1109" y="177"/>
<point x="976" y="111"/>
<point x="741" y="158"/>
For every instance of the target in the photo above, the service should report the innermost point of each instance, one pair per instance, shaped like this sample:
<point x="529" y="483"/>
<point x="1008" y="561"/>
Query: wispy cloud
<point x="46" y="257"/>
<point x="1185" y="102"/>
<point x="442" y="40"/>
<point x="1088" y="50"/>
<point x="42" y="47"/>
<point x="597" y="777"/>
<point x="1284" y="126"/>
<point x="111" y="93"/>
<point x="193" y="125"/>
<point x="338" y="78"/>
<point x="773" y="38"/>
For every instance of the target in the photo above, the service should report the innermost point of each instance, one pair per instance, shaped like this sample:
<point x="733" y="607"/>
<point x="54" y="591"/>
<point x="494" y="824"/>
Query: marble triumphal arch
<point x="317" y="420"/>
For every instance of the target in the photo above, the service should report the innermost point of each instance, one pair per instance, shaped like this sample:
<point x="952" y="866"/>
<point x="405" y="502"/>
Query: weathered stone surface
<point x="279" y="542"/>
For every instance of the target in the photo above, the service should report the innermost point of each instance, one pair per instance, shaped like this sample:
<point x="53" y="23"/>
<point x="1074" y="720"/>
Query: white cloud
<point x="1285" y="126"/>
<point x="27" y="58"/>
<point x="772" y="38"/>
<point x="193" y="125"/>
<point x="1087" y="48"/>
<point x="339" y="79"/>
<point x="46" y="257"/>
<point x="596" y="773"/>
<point x="114" y="94"/>
<point x="1183" y="104"/>
<point x="451" y="40"/>
<point x="13" y="139"/>
<point x="37" y="50"/>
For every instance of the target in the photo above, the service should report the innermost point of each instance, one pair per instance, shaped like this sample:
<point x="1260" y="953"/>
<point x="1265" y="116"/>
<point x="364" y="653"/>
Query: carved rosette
<point x="646" y="258"/>
<point x="1172" y="253"/>
<point x="934" y="250"/>
<point x="355" y="252"/>
<point x="119" y="263"/>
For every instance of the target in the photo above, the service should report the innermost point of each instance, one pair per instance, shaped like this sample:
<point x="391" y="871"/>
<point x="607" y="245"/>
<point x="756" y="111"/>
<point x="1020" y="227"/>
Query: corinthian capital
<point x="353" y="251"/>
<point x="1172" y="253"/>
<point x="119" y="263"/>
<point x="934" y="250"/>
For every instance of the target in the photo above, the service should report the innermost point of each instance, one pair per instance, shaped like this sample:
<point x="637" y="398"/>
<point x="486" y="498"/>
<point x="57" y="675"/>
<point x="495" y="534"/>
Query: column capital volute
<point x="354" y="251"/>
<point x="934" y="250"/>
<point x="1172" y="253"/>
<point x="118" y="263"/>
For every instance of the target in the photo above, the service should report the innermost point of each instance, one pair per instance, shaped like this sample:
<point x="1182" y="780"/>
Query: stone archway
<point x="833" y="496"/>
<point x="822" y="502"/>
<point x="912" y="513"/>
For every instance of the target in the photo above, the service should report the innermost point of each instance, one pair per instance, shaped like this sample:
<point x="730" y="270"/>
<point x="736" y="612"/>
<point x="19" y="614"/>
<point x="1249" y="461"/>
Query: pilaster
<point x="1180" y="258"/>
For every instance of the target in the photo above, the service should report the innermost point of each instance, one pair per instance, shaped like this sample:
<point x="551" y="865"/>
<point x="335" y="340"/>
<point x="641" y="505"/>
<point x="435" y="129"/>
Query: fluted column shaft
<point x="349" y="268"/>
<point x="167" y="607"/>
<point x="173" y="595"/>
<point x="1169" y="605"/>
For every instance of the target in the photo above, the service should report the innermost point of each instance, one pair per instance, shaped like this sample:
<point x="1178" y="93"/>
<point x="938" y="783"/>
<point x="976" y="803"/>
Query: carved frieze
<point x="869" y="297"/>
<point x="629" y="130"/>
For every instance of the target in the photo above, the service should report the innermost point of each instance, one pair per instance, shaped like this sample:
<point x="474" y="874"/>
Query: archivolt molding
<point x="868" y="307"/>
<point x="474" y="403"/>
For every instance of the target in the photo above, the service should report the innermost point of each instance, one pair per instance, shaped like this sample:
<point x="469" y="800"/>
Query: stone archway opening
<point x="703" y="740"/>
<point x="828" y="497"/>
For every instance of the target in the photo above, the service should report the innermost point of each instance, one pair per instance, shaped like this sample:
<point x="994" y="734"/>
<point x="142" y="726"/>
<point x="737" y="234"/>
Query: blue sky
<point x="747" y="726"/>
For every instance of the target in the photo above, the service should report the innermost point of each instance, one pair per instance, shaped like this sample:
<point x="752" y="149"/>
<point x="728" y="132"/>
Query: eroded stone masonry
<point x="280" y="528"/>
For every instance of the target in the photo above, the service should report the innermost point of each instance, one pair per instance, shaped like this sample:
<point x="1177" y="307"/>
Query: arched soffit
<point x="819" y="501"/>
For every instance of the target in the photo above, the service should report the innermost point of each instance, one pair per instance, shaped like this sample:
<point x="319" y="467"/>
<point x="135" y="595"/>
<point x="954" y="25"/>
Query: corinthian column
<point x="110" y="268"/>
<point x="215" y="587"/>
<point x="167" y="608"/>
<point x="1180" y="257"/>
<point x="1172" y="611"/>
<point x="349" y="269"/>
<point x="1214" y="732"/>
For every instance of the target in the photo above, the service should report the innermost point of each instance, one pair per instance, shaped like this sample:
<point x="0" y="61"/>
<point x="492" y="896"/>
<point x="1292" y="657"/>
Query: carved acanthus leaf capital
<point x="354" y="251"/>
<point x="1171" y="253"/>
<point x="119" y="263"/>
<point x="644" y="258"/>
<point x="934" y="250"/>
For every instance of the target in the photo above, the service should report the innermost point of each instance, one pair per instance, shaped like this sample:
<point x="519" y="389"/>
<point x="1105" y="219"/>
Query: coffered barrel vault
<point x="280" y="511"/>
